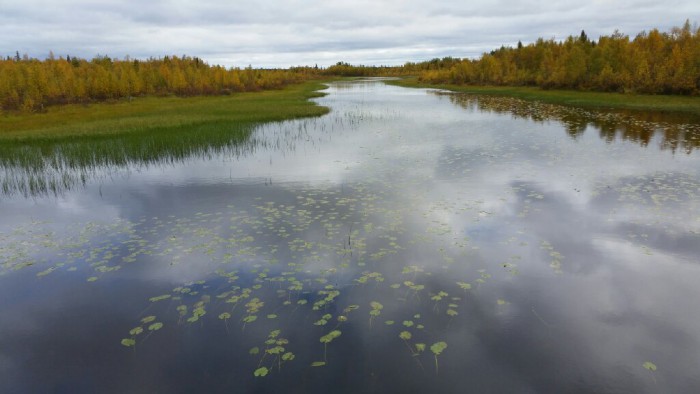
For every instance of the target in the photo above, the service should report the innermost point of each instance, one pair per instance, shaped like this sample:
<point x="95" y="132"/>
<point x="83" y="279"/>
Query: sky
<point x="283" y="33"/>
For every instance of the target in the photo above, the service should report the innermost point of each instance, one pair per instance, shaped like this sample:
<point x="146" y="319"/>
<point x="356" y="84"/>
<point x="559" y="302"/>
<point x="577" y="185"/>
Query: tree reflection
<point x="676" y="132"/>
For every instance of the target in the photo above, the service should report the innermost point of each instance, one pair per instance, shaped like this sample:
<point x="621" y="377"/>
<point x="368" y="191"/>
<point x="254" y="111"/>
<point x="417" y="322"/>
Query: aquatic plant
<point x="275" y="349"/>
<point x="437" y="348"/>
<point x="326" y="339"/>
<point x="375" y="311"/>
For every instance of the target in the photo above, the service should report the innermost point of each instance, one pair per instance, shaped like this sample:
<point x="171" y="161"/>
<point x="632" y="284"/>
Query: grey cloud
<point x="284" y="33"/>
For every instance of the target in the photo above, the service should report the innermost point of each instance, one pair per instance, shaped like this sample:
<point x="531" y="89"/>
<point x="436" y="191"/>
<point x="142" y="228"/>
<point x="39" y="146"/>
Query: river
<point x="409" y="241"/>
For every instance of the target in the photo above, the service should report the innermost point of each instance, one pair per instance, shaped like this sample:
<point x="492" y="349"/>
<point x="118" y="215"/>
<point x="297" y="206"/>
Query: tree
<point x="583" y="37"/>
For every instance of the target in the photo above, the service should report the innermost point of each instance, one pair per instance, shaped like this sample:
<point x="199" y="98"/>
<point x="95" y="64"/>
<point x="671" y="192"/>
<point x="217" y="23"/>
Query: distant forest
<point x="653" y="62"/>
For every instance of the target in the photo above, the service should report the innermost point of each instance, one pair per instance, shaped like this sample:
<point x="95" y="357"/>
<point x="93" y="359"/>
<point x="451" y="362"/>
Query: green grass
<point x="663" y="103"/>
<point x="148" y="113"/>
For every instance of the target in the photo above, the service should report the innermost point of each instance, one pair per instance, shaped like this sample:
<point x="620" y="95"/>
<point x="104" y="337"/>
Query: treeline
<point x="409" y="68"/>
<point x="30" y="84"/>
<point x="652" y="62"/>
<point x="347" y="70"/>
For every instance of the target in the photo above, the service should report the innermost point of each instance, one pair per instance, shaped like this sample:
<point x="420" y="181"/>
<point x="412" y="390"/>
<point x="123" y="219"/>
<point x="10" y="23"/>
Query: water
<point x="551" y="249"/>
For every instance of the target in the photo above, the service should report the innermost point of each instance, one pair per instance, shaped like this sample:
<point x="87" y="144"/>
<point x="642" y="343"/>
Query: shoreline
<point x="587" y="99"/>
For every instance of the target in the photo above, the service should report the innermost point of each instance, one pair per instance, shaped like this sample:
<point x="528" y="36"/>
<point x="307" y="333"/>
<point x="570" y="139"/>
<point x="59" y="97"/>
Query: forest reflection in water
<point x="677" y="132"/>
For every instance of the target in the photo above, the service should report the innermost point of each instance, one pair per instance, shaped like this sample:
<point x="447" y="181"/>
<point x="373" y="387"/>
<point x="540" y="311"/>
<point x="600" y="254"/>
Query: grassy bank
<point x="663" y="103"/>
<point x="142" y="114"/>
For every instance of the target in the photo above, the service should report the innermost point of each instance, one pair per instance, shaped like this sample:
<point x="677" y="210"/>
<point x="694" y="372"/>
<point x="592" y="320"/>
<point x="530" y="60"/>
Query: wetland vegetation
<point x="154" y="114"/>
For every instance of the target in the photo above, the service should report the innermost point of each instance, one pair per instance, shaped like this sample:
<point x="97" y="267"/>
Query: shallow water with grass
<point x="408" y="241"/>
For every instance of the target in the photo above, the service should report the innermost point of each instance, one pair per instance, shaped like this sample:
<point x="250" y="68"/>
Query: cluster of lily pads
<point x="294" y="297"/>
<point x="331" y="259"/>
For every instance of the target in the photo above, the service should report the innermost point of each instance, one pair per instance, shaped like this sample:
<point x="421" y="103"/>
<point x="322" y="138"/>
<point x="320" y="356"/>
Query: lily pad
<point x="438" y="347"/>
<point x="262" y="371"/>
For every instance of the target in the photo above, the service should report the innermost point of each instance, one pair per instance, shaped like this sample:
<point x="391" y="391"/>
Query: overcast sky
<point x="281" y="33"/>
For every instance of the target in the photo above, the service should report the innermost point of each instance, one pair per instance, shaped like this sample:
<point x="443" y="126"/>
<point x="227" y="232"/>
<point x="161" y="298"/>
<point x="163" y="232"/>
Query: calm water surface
<point x="535" y="248"/>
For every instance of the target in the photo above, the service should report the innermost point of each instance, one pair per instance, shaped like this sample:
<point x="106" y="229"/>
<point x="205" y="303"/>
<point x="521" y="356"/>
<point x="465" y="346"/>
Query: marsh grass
<point x="51" y="166"/>
<point x="147" y="114"/>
